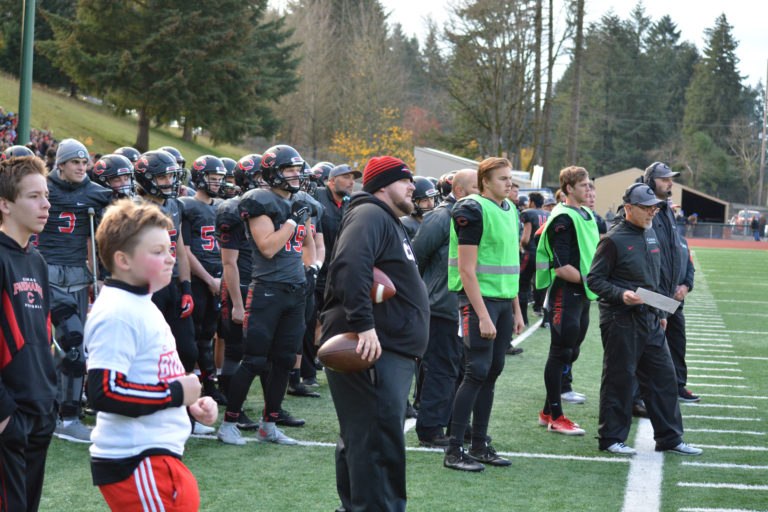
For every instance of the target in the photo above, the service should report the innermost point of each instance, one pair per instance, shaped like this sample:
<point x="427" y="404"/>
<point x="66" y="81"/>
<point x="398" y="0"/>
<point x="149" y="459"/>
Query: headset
<point x="628" y="192"/>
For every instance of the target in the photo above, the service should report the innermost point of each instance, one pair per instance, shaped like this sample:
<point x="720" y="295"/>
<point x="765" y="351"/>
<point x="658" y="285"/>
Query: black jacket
<point x="431" y="249"/>
<point x="27" y="374"/>
<point x="627" y="258"/>
<point x="371" y="235"/>
<point x="329" y="223"/>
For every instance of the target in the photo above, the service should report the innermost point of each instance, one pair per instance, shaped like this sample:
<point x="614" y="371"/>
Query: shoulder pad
<point x="317" y="207"/>
<point x="258" y="202"/>
<point x="228" y="214"/>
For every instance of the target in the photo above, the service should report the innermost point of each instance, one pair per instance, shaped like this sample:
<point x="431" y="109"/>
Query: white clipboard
<point x="658" y="301"/>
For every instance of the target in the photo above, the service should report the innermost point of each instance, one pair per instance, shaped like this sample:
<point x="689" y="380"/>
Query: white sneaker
<point x="229" y="434"/>
<point x="573" y="397"/>
<point x="74" y="431"/>
<point x="202" y="430"/>
<point x="620" y="449"/>
<point x="269" y="433"/>
<point x="684" y="449"/>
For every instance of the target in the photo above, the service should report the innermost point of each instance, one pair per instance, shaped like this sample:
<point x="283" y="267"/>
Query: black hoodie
<point x="372" y="235"/>
<point x="27" y="374"/>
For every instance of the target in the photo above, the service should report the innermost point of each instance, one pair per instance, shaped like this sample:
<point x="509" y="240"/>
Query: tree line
<point x="341" y="82"/>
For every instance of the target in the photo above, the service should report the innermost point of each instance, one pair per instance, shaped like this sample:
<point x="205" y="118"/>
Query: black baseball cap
<point x="641" y="194"/>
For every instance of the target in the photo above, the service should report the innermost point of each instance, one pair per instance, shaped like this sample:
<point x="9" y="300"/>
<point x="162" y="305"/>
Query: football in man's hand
<point x="338" y="354"/>
<point x="383" y="288"/>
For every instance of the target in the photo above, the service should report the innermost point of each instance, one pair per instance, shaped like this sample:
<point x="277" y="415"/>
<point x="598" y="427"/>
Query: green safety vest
<point x="498" y="256"/>
<point x="587" y="236"/>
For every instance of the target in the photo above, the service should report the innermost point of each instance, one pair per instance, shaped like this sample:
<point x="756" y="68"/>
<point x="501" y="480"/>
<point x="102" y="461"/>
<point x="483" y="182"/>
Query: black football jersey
<point x="64" y="239"/>
<point x="286" y="265"/>
<point x="537" y="218"/>
<point x="232" y="233"/>
<point x="411" y="225"/>
<point x="173" y="209"/>
<point x="198" y="228"/>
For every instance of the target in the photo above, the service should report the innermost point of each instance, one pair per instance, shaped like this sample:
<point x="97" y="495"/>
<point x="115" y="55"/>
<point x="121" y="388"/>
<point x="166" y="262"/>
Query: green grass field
<point x="548" y="472"/>
<point x="99" y="128"/>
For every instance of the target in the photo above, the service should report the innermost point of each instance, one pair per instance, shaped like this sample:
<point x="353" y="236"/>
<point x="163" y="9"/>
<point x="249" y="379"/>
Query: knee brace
<point x="69" y="328"/>
<point x="562" y="354"/>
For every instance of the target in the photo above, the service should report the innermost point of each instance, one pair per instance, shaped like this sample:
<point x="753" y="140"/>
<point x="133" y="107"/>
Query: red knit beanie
<point x="380" y="171"/>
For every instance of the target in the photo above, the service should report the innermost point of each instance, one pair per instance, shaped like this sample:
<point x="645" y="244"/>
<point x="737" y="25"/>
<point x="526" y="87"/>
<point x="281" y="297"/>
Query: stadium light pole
<point x="25" y="87"/>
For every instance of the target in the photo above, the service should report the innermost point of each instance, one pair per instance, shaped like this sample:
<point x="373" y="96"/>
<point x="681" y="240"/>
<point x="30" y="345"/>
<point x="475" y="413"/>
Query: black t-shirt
<point x="536" y="218"/>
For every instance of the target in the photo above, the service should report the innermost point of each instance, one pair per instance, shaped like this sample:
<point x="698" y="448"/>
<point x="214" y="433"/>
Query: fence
<point x="716" y="230"/>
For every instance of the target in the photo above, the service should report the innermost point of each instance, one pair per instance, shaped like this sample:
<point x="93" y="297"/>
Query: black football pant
<point x="634" y="344"/>
<point x="308" y="347"/>
<point x="527" y="273"/>
<point x="441" y="365"/>
<point x="232" y="334"/>
<point x="168" y="301"/>
<point x="370" y="451"/>
<point x="205" y="318"/>
<point x="273" y="330"/>
<point x="484" y="363"/>
<point x="23" y="449"/>
<point x="569" y="321"/>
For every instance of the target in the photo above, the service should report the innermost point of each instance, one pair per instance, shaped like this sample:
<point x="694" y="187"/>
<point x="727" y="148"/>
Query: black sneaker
<point x="284" y="419"/>
<point x="410" y="412"/>
<point x="687" y="396"/>
<point x="302" y="390"/>
<point x="246" y="423"/>
<point x="439" y="441"/>
<point x="462" y="462"/>
<point x="487" y="455"/>
<point x="513" y="351"/>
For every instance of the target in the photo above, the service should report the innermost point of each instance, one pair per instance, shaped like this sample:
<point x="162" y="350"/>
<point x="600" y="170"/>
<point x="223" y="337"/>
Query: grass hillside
<point x="69" y="117"/>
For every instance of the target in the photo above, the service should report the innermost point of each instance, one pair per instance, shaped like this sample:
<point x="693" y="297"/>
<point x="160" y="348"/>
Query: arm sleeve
<point x="689" y="271"/>
<point x="111" y="391"/>
<point x="7" y="403"/>
<point x="430" y="238"/>
<point x="560" y="232"/>
<point x="468" y="222"/>
<point x="602" y="265"/>
<point x="354" y="258"/>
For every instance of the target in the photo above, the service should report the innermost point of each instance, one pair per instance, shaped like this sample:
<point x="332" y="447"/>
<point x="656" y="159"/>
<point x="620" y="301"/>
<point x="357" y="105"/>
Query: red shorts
<point x="159" y="482"/>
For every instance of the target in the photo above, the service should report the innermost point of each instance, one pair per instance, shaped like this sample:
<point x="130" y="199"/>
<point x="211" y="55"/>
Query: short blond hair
<point x="571" y="176"/>
<point x="122" y="226"/>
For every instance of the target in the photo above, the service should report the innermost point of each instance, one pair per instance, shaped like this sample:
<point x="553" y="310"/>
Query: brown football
<point x="383" y="288"/>
<point x="338" y="354"/>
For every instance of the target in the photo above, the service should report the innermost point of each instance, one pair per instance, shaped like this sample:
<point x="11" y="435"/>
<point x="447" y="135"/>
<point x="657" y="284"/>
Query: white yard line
<point x="747" y="397"/>
<point x="751" y="358"/>
<point x="718" y="369"/>
<point x="724" y="377"/>
<point x="705" y="509"/>
<point x="721" y="345"/>
<point x="717" y="406"/>
<point x="719" y="418"/>
<point x="741" y="487"/>
<point x="528" y="332"/>
<point x="709" y="361"/>
<point x="703" y="385"/>
<point x="732" y="447"/>
<point x="724" y="431"/>
<point x="723" y="465"/>
<point x="643" y="490"/>
<point x="711" y="350"/>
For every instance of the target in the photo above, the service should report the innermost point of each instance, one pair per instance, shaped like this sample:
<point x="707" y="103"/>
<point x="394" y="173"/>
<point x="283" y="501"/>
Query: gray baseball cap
<point x="344" y="169"/>
<point x="659" y="170"/>
<point x="549" y="200"/>
<point x="69" y="149"/>
<point x="641" y="194"/>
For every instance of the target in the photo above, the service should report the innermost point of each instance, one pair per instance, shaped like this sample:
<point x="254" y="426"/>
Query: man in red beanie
<point x="370" y="405"/>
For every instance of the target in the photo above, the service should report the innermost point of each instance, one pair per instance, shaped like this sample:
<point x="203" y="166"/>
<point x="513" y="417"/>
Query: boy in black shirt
<point x="27" y="374"/>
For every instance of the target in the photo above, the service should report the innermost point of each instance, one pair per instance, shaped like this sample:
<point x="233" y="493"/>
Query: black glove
<point x="300" y="211"/>
<point x="311" y="276"/>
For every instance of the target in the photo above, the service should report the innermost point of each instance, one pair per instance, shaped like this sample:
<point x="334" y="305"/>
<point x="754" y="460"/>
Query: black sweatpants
<point x="675" y="334"/>
<point x="441" y="366"/>
<point x="484" y="363"/>
<point x="23" y="449"/>
<point x="569" y="321"/>
<point x="370" y="451"/>
<point x="205" y="318"/>
<point x="168" y="301"/>
<point x="634" y="344"/>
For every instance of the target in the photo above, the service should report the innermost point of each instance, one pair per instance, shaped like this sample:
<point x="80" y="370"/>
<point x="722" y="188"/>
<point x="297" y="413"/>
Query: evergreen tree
<point x="214" y="61"/>
<point x="715" y="95"/>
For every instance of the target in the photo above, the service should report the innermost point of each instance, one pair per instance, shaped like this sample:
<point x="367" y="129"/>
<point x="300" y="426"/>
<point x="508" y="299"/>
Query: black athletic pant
<point x="634" y="344"/>
<point x="370" y="451"/>
<point x="273" y="329"/>
<point x="527" y="274"/>
<point x="569" y="321"/>
<point x="441" y="365"/>
<point x="168" y="301"/>
<point x="675" y="334"/>
<point x="484" y="363"/>
<point x="308" y="347"/>
<point x="205" y="317"/>
<point x="23" y="449"/>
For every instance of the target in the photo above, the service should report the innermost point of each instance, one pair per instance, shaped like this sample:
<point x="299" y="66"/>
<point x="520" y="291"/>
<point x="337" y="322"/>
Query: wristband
<point x="319" y="264"/>
<point x="292" y="222"/>
<point x="186" y="288"/>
